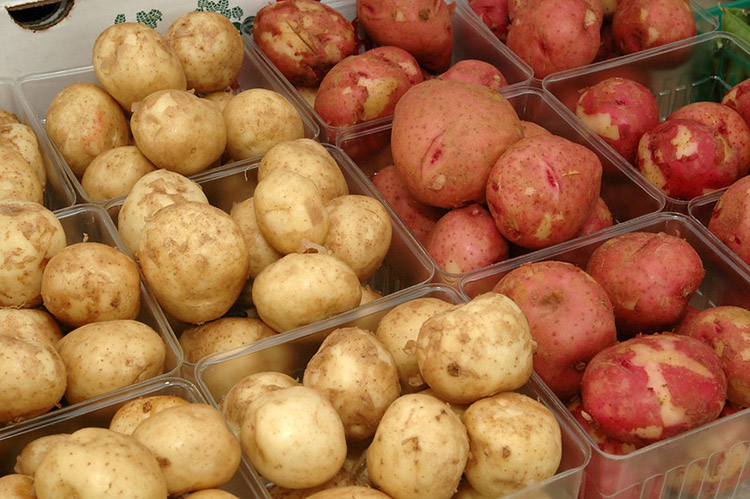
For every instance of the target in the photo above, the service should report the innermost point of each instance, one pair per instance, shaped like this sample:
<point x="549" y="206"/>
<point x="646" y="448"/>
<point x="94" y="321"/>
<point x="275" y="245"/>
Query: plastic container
<point x="701" y="68"/>
<point x="290" y="353"/>
<point x="58" y="191"/>
<point x="38" y="90"/>
<point x="688" y="465"/>
<point x="471" y="41"/>
<point x="89" y="222"/>
<point x="98" y="413"/>
<point x="627" y="194"/>
<point x="406" y="264"/>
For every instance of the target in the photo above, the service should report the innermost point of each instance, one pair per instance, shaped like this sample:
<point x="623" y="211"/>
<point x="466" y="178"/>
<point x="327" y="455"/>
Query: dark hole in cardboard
<point x="40" y="15"/>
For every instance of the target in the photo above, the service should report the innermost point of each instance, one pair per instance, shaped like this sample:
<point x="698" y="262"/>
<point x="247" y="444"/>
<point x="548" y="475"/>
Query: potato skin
<point x="135" y="411"/>
<point x="16" y="486"/>
<point x="260" y="253"/>
<point x="642" y="24"/>
<point x="730" y="219"/>
<point x="221" y="334"/>
<point x="18" y="180"/>
<point x="23" y="139"/>
<point x="32" y="324"/>
<point x="114" y="172"/>
<point x="477" y="71"/>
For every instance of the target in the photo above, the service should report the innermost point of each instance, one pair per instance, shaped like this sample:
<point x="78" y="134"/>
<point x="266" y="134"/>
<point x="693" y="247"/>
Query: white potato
<point x="220" y="98"/>
<point x="134" y="412"/>
<point x="221" y="334"/>
<point x="114" y="172"/>
<point x="17" y="486"/>
<point x="211" y="494"/>
<point x="349" y="491"/>
<point x="259" y="251"/>
<point x="31" y="324"/>
<point x="32" y="453"/>
<point x="23" y="139"/>
<point x="18" y="180"/>
<point x="7" y="117"/>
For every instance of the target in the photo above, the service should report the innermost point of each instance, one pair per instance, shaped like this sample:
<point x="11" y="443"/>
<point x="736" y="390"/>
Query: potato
<point x="477" y="71"/>
<point x="17" y="486"/>
<point x="359" y="233"/>
<point x="737" y="98"/>
<point x="114" y="172"/>
<point x="401" y="58"/>
<point x="643" y="24"/>
<point x="358" y="491"/>
<point x="23" y="139"/>
<point x="18" y="181"/>
<point x="294" y="437"/>
<point x="600" y="218"/>
<point x="603" y="442"/>
<point x="729" y="219"/>
<point x="494" y="15"/>
<point x="257" y="119"/>
<point x="260" y="253"/>
<point x="302" y="288"/>
<point x="220" y="98"/>
<point x="32" y="324"/>
<point x="179" y="131"/>
<point x="132" y="60"/>
<point x="32" y="453"/>
<point x="570" y="315"/>
<point x="429" y="123"/>
<point x="398" y="331"/>
<point x="103" y="356"/>
<point x="88" y="282"/>
<point x="290" y="211"/>
<point x="530" y="129"/>
<point x="211" y="494"/>
<point x="32" y="235"/>
<point x="475" y="349"/>
<point x="422" y="28"/>
<point x="7" y="117"/>
<point x="193" y="446"/>
<point x="219" y="335"/>
<point x="97" y="462"/>
<point x="188" y="239"/>
<point x="357" y="373"/>
<point x="32" y="378"/>
<point x="132" y="413"/>
<point x="311" y="160"/>
<point x="417" y="429"/>
<point x="209" y="47"/>
<point x="83" y="121"/>
<point x="150" y="193"/>
<point x="515" y="442"/>
<point x="234" y="404"/>
<point x="655" y="397"/>
<point x="303" y="38"/>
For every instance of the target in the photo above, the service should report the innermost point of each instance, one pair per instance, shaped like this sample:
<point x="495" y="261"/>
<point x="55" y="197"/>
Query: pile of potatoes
<point x="165" y="102"/>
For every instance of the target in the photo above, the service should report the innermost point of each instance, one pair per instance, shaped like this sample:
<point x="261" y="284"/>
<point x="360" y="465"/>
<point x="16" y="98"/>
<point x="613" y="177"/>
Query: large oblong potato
<point x="302" y="288"/>
<point x="193" y="256"/>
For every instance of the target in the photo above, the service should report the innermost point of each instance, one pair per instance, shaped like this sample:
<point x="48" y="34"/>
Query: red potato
<point x="418" y="217"/>
<point x="686" y="158"/>
<point x="620" y="111"/>
<point x="402" y="59"/>
<point x="542" y="190"/>
<point x="726" y="329"/>
<point x="605" y="443"/>
<point x="466" y="239"/>
<point x="476" y="71"/>
<point x="554" y="35"/>
<point x="727" y="121"/>
<point x="653" y="387"/>
<point x="570" y="316"/>
<point x="738" y="98"/>
<point x="516" y="6"/>
<point x="643" y="24"/>
<point x="494" y="14"/>
<point x="303" y="38"/>
<point x="649" y="277"/>
<point x="445" y="138"/>
<point x="421" y="27"/>
<point x="530" y="129"/>
<point x="730" y="218"/>
<point x="600" y="218"/>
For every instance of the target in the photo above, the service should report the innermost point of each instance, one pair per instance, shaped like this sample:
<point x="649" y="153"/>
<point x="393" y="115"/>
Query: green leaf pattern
<point x="154" y="16"/>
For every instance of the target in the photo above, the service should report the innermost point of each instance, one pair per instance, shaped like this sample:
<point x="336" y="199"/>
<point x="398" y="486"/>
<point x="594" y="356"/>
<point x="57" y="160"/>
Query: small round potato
<point x="302" y="288"/>
<point x="32" y="378"/>
<point x="134" y="412"/>
<point x="290" y="211"/>
<point x="96" y="462"/>
<point x="234" y="403"/>
<point x="83" y="121"/>
<point x="310" y="159"/>
<point x="18" y="180"/>
<point x="221" y="334"/>
<point x="399" y="330"/>
<point x="32" y="453"/>
<point x="23" y="139"/>
<point x="211" y="494"/>
<point x="193" y="257"/>
<point x="151" y="192"/>
<point x="31" y="235"/>
<point x="209" y="47"/>
<point x="103" y="356"/>
<point x="88" y="282"/>
<point x="515" y="442"/>
<point x="32" y="324"/>
<point x="194" y="448"/>
<point x="258" y="119"/>
<point x="114" y="172"/>
<point x="132" y="60"/>
<point x="360" y="232"/>
<point x="294" y="437"/>
<point x="16" y="486"/>
<point x="355" y="371"/>
<point x="476" y="348"/>
<point x="259" y="251"/>
<point x="418" y="429"/>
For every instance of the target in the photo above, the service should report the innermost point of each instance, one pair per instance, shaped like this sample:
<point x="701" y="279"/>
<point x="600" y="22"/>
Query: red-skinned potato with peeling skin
<point x="570" y="316"/>
<point x="476" y="71"/>
<point x="605" y="443"/>
<point x="642" y="24"/>
<point x="652" y="387"/>
<point x="686" y="158"/>
<point x="727" y="121"/>
<point x="494" y="15"/>
<point x="402" y="59"/>
<point x="446" y="136"/>
<point x="542" y="190"/>
<point x="600" y="218"/>
<point x="649" y="277"/>
<point x="466" y="239"/>
<point x="730" y="218"/>
<point x="620" y="111"/>
<point x="738" y="98"/>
